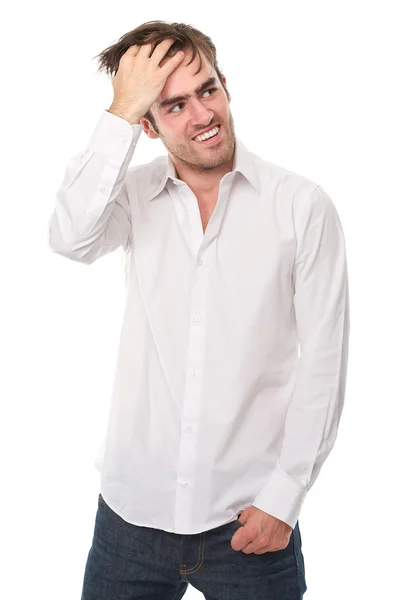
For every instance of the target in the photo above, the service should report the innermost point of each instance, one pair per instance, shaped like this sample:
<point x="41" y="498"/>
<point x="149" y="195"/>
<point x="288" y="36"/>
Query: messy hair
<point x="186" y="38"/>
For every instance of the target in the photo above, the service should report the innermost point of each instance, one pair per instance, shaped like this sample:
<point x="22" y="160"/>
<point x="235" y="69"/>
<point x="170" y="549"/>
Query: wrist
<point x="132" y="117"/>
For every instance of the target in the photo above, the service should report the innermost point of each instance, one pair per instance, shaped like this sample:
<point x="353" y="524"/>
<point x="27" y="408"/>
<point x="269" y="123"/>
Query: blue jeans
<point x="128" y="562"/>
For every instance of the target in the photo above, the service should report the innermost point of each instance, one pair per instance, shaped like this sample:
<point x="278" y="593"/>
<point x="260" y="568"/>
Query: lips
<point x="206" y="130"/>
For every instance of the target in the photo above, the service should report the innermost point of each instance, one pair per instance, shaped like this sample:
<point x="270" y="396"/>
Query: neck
<point x="202" y="182"/>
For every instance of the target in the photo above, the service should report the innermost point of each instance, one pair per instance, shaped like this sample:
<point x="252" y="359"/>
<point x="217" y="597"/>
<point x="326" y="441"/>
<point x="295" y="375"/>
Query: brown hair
<point x="186" y="38"/>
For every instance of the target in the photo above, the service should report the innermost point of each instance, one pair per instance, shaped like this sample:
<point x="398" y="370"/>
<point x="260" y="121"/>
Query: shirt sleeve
<point x="92" y="215"/>
<point x="321" y="304"/>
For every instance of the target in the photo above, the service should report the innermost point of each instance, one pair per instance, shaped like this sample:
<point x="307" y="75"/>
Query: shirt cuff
<point x="282" y="497"/>
<point x="113" y="137"/>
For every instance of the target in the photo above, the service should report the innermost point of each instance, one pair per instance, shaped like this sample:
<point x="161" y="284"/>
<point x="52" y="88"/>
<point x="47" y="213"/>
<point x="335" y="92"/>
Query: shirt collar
<point x="165" y="170"/>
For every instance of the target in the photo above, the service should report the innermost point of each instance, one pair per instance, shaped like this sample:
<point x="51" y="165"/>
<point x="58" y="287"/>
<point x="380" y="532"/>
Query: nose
<point x="200" y="114"/>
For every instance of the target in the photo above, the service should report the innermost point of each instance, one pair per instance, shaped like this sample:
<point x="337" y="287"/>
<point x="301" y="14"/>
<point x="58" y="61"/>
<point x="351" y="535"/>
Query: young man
<point x="217" y="428"/>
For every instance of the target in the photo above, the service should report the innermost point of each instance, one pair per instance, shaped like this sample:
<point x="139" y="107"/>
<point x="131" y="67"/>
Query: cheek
<point x="222" y="109"/>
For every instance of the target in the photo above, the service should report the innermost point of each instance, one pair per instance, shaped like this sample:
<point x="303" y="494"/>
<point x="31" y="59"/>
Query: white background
<point x="314" y="89"/>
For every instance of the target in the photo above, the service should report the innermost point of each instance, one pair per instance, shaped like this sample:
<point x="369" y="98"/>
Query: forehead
<point x="184" y="79"/>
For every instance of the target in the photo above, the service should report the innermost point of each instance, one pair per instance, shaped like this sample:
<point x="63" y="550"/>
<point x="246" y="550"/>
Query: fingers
<point x="131" y="52"/>
<point x="159" y="53"/>
<point x="161" y="50"/>
<point x="171" y="64"/>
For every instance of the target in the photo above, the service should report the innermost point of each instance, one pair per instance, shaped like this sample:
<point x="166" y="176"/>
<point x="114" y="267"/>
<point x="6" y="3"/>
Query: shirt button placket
<point x="191" y="405"/>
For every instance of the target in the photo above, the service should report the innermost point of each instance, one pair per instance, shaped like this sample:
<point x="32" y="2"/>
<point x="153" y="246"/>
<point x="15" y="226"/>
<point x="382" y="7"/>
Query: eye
<point x="175" y="106"/>
<point x="182" y="103"/>
<point x="210" y="90"/>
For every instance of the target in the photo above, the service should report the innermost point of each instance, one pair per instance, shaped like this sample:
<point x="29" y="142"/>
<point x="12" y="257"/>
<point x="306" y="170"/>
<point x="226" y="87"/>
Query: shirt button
<point x="123" y="138"/>
<point x="188" y="428"/>
<point x="184" y="483"/>
<point x="197" y="318"/>
<point x="194" y="372"/>
<point x="191" y="208"/>
<point x="200" y="262"/>
<point x="103" y="189"/>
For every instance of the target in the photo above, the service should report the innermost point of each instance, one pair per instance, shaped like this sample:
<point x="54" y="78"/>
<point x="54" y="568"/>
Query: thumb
<point x="243" y="518"/>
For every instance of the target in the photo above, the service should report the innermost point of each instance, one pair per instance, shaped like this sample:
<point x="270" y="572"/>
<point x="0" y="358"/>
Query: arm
<point x="92" y="215"/>
<point x="321" y="303"/>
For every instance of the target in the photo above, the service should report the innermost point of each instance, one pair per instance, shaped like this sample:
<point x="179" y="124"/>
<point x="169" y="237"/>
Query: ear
<point x="226" y="90"/>
<point x="147" y="127"/>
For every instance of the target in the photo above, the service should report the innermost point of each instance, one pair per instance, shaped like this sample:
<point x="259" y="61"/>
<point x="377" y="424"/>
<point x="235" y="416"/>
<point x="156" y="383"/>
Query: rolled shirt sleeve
<point x="321" y="304"/>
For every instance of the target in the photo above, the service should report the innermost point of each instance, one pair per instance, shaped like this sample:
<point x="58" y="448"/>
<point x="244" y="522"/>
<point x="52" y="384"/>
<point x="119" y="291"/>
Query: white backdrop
<point x="314" y="89"/>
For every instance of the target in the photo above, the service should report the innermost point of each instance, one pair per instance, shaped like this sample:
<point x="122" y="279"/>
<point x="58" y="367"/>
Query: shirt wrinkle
<point x="213" y="408"/>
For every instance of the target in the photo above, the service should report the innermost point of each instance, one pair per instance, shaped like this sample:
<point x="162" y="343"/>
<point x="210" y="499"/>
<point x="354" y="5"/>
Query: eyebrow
<point x="175" y="99"/>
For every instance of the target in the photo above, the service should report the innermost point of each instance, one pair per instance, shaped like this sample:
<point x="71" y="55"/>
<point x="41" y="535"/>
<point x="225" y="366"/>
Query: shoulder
<point x="149" y="169"/>
<point x="303" y="193"/>
<point x="281" y="179"/>
<point x="145" y="178"/>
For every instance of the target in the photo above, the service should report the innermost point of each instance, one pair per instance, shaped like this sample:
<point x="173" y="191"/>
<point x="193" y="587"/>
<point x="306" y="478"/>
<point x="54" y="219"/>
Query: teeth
<point x="207" y="135"/>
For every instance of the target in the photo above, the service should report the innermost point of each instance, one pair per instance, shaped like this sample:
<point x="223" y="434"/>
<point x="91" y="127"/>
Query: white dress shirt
<point x="232" y="362"/>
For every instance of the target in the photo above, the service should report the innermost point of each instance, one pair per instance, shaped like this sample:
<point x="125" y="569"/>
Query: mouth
<point x="214" y="139"/>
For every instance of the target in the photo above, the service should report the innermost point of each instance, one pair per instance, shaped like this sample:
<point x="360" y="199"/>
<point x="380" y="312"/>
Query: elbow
<point x="67" y="246"/>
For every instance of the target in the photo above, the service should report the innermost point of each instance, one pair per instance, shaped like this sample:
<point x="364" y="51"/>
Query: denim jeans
<point x="127" y="562"/>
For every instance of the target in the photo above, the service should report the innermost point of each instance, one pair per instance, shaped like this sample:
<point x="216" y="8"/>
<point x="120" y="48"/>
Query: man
<point x="217" y="428"/>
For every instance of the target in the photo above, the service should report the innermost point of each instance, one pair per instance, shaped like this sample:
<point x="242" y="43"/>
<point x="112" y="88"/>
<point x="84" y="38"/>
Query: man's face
<point x="180" y="122"/>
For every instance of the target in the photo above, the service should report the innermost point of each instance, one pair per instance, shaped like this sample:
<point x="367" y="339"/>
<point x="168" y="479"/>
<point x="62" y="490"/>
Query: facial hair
<point x="199" y="162"/>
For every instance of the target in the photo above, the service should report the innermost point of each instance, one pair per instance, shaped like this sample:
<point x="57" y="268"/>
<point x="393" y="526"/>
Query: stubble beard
<point x="204" y="160"/>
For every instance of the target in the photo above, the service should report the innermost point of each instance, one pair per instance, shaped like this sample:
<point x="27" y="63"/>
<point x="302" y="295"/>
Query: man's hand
<point x="260" y="532"/>
<point x="140" y="80"/>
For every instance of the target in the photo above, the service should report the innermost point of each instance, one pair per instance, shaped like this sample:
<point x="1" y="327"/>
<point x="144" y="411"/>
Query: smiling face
<point x="180" y="120"/>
